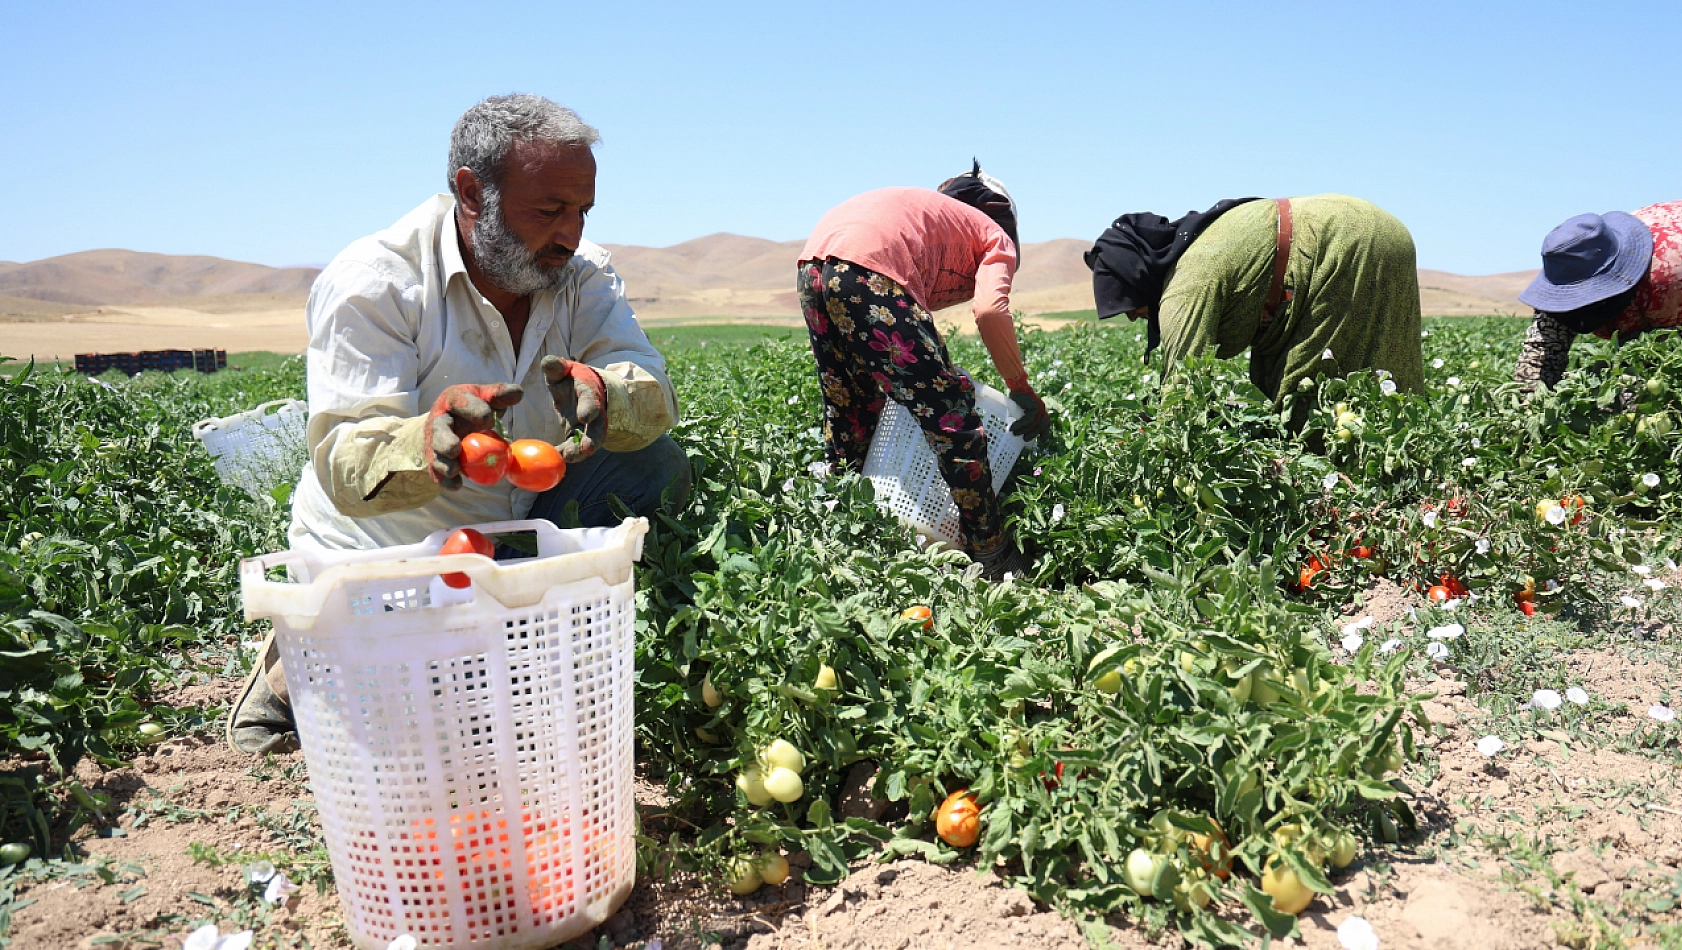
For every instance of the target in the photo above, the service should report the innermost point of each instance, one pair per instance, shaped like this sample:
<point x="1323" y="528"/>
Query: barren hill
<point x="116" y="277"/>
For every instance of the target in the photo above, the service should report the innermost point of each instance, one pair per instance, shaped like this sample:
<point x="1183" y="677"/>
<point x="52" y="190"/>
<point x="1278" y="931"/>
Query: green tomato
<point x="1142" y="870"/>
<point x="1344" y="435"/>
<point x="13" y="853"/>
<point x="782" y="754"/>
<point x="709" y="692"/>
<point x="1655" y="386"/>
<point x="1263" y="693"/>
<point x="752" y="785"/>
<point x="1343" y="849"/>
<point x="742" y="877"/>
<point x="773" y="869"/>
<point x="784" y="785"/>
<point x="1109" y="682"/>
<point x="152" y="733"/>
<point x="826" y="678"/>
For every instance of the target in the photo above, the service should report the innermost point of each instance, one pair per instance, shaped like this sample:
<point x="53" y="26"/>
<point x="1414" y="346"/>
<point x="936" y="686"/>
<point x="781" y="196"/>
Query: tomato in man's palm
<point x="535" y="465"/>
<point x="484" y="457"/>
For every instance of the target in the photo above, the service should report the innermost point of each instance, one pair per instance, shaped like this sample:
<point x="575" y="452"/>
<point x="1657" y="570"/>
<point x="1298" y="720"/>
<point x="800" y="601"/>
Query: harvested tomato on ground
<point x="1439" y="594"/>
<point x="484" y="457"/>
<point x="465" y="541"/>
<point x="958" y="819"/>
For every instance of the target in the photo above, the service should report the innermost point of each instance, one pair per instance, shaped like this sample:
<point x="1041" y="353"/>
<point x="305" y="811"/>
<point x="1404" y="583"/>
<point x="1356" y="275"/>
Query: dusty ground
<point x="1556" y="841"/>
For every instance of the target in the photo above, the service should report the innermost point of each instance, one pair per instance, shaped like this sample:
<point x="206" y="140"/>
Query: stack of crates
<point x="162" y="361"/>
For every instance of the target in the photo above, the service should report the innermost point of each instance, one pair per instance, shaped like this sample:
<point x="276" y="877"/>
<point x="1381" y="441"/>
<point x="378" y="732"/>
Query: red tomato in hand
<point x="465" y="541"/>
<point x="484" y="457"/>
<point x="535" y="465"/>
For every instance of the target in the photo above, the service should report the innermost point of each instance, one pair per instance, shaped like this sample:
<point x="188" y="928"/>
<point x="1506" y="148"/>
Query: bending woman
<point x="1289" y="279"/>
<point x="873" y="270"/>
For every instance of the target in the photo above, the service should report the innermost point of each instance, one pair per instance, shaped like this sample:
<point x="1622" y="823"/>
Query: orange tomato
<point x="1361" y="551"/>
<point x="484" y="457"/>
<point x="535" y="465"/>
<point x="1438" y="593"/>
<point x="919" y="612"/>
<point x="1573" y="504"/>
<point x="465" y="541"/>
<point x="1204" y="847"/>
<point x="958" y="819"/>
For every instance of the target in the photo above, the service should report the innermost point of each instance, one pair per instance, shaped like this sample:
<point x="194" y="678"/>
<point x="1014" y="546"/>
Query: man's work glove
<point x="1035" y="421"/>
<point x="581" y="399"/>
<point x="456" y="412"/>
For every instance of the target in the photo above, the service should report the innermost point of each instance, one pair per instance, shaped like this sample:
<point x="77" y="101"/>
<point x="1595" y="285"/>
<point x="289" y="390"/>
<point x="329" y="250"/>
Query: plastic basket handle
<point x="205" y="425"/>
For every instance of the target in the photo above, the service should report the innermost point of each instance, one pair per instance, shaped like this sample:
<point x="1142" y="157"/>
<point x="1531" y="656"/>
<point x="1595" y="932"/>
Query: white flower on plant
<point x="209" y="937"/>
<point x="793" y="399"/>
<point x="1477" y="443"/>
<point x="1453" y="382"/>
<point x="1655" y="583"/>
<point x="405" y="942"/>
<point x="1651" y="480"/>
<point x="1390" y="646"/>
<point x="1555" y="515"/>
<point x="788" y="485"/>
<point x="1437" y="651"/>
<point x="814" y="433"/>
<point x="1037" y="470"/>
<point x="1329" y="482"/>
<point x="1424" y="333"/>
<point x="1356" y="626"/>
<point x="1387" y="387"/>
<point x="1630" y="602"/>
<point x="1490" y="745"/>
<point x="1576" y="695"/>
<point x="818" y="469"/>
<point x="1468" y="462"/>
<point x="1057" y="512"/>
<point x="259" y="871"/>
<point x="829" y="505"/>
<point x="1550" y="584"/>
<point x="1352" y="642"/>
<point x="1057" y="362"/>
<point x="1437" y="363"/>
<point x="1327" y="355"/>
<point x="1356" y="934"/>
<point x="1661" y="713"/>
<point x="280" y="889"/>
<point x="1546" y="699"/>
<point x="1669" y="565"/>
<point x="1430" y="519"/>
<point x="1483" y="545"/>
<point x="1642" y="569"/>
<point x="1447" y="631"/>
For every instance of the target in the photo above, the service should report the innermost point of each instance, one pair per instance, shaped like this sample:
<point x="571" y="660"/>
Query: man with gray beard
<point x="480" y="305"/>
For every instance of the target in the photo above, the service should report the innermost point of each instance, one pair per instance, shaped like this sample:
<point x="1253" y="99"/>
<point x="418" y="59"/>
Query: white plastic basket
<point x="258" y="450"/>
<point x="906" y="475"/>
<point x="470" y="750"/>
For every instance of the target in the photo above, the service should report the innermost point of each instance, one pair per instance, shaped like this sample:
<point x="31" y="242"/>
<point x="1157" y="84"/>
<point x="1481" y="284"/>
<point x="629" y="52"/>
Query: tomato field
<point x="1176" y="721"/>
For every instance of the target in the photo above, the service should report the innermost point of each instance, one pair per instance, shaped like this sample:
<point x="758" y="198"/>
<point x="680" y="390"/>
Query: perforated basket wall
<point x="258" y="450"/>
<point x="472" y="761"/>
<point x="906" y="475"/>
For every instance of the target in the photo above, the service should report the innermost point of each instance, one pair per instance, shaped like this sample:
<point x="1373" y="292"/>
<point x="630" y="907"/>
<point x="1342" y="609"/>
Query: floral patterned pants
<point x="872" y="342"/>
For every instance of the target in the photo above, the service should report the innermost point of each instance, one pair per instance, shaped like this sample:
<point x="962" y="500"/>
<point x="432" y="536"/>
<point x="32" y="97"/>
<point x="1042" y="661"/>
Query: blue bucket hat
<point x="1588" y="259"/>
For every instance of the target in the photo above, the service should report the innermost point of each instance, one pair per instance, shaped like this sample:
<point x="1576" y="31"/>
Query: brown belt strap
<point x="1276" y="293"/>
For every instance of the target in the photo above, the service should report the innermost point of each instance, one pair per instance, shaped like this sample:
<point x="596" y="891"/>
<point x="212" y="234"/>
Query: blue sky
<point x="277" y="133"/>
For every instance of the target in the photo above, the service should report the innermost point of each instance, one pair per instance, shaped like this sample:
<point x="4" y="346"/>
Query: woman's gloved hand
<point x="581" y="398"/>
<point x="457" y="411"/>
<point x="1035" y="421"/>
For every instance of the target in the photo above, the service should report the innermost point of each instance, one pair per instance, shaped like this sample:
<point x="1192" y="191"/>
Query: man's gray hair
<point x="485" y="133"/>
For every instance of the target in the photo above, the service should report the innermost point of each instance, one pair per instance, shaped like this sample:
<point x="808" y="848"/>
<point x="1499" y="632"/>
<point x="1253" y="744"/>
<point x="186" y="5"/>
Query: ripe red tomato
<point x="1454" y="586"/>
<point x="1573" y="504"/>
<point x="535" y="465"/>
<point x="1527" y="608"/>
<point x="958" y="819"/>
<point x="465" y="541"/>
<point x="1361" y="552"/>
<point x="1438" y="593"/>
<point x="484" y="457"/>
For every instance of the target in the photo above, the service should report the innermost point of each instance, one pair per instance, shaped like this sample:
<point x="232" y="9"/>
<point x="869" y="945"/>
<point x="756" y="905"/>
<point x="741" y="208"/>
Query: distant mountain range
<point x="722" y="275"/>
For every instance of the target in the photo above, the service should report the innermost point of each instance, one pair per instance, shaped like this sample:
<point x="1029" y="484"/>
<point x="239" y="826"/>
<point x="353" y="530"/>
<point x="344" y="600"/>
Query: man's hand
<point x="581" y="399"/>
<point x="1035" y="421"/>
<point x="458" y="411"/>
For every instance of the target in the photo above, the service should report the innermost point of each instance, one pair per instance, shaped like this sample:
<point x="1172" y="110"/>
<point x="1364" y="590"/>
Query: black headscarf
<point x="1131" y="260"/>
<point x="971" y="190"/>
<point x="1598" y="314"/>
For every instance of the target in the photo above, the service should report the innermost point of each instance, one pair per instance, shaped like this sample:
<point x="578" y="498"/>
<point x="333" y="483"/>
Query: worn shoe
<point x="1007" y="558"/>
<point x="260" y="721"/>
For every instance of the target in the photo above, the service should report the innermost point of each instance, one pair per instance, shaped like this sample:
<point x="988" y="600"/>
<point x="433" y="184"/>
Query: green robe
<point x="1352" y="269"/>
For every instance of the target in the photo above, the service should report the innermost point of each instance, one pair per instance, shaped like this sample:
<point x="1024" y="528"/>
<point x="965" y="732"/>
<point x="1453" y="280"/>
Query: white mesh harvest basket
<point x="258" y="450"/>
<point x="906" y="475"/>
<point x="470" y="750"/>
